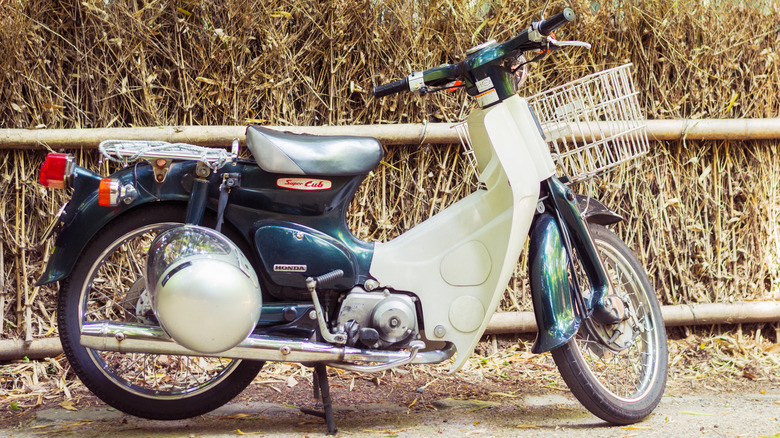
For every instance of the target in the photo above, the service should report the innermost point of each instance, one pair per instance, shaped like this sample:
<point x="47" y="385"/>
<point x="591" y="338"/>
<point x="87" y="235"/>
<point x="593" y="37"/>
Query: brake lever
<point x="553" y="42"/>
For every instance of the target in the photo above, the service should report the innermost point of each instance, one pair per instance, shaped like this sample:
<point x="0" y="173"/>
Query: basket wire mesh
<point x="593" y="124"/>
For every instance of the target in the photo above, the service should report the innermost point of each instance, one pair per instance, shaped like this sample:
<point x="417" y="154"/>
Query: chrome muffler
<point x="137" y="338"/>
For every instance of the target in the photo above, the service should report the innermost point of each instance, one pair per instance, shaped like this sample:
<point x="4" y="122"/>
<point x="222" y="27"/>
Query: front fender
<point x="84" y="217"/>
<point x="595" y="212"/>
<point x="556" y="318"/>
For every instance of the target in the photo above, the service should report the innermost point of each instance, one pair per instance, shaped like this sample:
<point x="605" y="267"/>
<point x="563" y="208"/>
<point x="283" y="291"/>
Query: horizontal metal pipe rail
<point x="507" y="322"/>
<point x="390" y="134"/>
<point x="674" y="316"/>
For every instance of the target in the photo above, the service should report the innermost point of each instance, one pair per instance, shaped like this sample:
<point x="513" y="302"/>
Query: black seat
<point x="302" y="154"/>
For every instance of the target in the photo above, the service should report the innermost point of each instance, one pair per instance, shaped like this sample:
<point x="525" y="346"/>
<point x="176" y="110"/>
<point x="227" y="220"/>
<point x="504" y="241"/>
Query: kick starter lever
<point x="311" y="284"/>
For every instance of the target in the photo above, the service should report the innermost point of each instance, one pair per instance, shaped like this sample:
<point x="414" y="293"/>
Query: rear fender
<point x="83" y="216"/>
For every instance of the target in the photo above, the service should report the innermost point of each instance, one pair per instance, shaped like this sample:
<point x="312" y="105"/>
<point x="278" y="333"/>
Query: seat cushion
<point x="303" y="154"/>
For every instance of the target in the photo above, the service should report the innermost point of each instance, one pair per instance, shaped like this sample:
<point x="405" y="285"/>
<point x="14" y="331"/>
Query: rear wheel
<point x="107" y="284"/>
<point x="619" y="385"/>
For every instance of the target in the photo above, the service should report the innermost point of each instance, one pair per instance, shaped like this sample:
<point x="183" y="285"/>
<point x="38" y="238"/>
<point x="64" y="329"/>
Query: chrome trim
<point x="70" y="165"/>
<point x="414" y="345"/>
<point x="53" y="225"/>
<point x="137" y="338"/>
<point x="113" y="193"/>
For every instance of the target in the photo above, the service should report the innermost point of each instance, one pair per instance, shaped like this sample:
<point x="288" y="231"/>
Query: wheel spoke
<point x="625" y="374"/>
<point x="107" y="297"/>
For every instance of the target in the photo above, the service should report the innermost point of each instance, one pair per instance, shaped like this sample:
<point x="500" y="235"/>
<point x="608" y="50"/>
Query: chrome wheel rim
<point x="628" y="374"/>
<point x="111" y="292"/>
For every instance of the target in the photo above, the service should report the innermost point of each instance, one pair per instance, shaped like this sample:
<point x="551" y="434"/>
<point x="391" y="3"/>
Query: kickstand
<point x="321" y="387"/>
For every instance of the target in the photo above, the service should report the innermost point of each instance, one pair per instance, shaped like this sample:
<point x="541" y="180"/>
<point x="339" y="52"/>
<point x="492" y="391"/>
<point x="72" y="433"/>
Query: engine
<point x="377" y="319"/>
<point x="204" y="292"/>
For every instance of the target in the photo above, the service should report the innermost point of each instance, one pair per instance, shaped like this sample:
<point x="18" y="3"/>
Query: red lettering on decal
<point x="304" y="183"/>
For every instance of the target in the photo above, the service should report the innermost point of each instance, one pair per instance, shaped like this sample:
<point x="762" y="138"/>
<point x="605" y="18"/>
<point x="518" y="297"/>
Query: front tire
<point x="107" y="284"/>
<point x="620" y="387"/>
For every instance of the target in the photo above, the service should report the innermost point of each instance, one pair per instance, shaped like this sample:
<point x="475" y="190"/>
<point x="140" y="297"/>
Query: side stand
<point x="321" y="387"/>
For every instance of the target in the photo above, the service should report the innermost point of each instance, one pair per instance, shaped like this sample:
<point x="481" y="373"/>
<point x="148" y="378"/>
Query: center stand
<point x="322" y="387"/>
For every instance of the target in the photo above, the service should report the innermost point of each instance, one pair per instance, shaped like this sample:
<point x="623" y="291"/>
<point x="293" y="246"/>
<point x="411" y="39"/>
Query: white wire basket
<point x="593" y="124"/>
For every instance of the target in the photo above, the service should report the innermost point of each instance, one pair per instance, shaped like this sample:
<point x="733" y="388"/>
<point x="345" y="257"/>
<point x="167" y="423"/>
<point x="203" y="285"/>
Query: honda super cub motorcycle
<point x="183" y="272"/>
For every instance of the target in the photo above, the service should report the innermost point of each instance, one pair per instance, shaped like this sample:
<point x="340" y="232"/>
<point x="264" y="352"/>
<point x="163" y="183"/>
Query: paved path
<point x="551" y="414"/>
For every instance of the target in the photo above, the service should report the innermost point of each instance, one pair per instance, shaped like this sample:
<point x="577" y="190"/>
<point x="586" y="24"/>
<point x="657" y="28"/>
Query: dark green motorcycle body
<point x="283" y="226"/>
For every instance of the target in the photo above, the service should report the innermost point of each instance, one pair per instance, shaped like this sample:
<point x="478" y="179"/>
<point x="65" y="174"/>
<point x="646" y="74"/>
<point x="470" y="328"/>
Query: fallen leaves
<point x="636" y="427"/>
<point x="69" y="405"/>
<point x="696" y="413"/>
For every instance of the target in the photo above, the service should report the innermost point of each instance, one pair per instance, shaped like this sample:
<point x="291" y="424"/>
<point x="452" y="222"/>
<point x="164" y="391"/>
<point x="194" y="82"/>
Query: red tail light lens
<point x="55" y="170"/>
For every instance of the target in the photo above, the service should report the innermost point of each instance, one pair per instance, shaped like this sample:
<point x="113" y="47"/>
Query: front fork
<point x="604" y="306"/>
<point x="559" y="304"/>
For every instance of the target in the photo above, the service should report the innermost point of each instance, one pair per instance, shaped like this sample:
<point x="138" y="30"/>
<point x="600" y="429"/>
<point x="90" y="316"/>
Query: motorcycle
<point x="186" y="270"/>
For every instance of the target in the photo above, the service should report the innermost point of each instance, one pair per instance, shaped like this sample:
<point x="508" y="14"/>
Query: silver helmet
<point x="204" y="291"/>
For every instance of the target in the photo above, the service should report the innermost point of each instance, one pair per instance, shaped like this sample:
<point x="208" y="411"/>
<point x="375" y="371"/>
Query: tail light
<point x="56" y="170"/>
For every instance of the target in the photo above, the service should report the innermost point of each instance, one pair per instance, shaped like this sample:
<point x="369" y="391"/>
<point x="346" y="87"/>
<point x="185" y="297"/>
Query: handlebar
<point x="548" y="26"/>
<point x="392" y="88"/>
<point x="534" y="38"/>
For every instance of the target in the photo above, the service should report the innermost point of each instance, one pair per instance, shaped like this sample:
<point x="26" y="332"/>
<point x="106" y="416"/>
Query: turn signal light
<point x="111" y="193"/>
<point x="108" y="192"/>
<point x="56" y="170"/>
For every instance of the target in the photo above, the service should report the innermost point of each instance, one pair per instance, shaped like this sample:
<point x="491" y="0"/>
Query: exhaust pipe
<point x="137" y="338"/>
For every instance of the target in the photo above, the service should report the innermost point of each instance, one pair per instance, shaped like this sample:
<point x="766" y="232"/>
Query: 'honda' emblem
<point x="289" y="268"/>
<point x="303" y="183"/>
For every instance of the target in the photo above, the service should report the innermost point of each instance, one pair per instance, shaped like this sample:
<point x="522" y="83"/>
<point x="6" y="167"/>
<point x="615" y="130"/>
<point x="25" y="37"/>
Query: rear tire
<point x="619" y="387"/>
<point x="106" y="284"/>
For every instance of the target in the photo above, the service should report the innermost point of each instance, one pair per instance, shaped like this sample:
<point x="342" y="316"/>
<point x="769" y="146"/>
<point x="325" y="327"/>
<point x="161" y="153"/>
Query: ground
<point x="507" y="393"/>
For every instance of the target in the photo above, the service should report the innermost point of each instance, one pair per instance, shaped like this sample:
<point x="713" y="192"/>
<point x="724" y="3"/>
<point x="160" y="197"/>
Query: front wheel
<point x="620" y="386"/>
<point x="107" y="284"/>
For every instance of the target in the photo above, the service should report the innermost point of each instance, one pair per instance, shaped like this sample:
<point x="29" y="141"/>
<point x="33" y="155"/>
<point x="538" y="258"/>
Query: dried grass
<point x="700" y="215"/>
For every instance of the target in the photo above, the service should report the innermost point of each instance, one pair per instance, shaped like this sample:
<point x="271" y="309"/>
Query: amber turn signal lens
<point x="108" y="192"/>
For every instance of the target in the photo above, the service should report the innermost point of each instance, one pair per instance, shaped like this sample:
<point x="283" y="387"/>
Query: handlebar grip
<point x="548" y="26"/>
<point x="392" y="88"/>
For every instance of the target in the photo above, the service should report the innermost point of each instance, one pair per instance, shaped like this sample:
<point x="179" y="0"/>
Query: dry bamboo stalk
<point x="18" y="239"/>
<point x="674" y="315"/>
<point x="23" y="249"/>
<point x="2" y="289"/>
